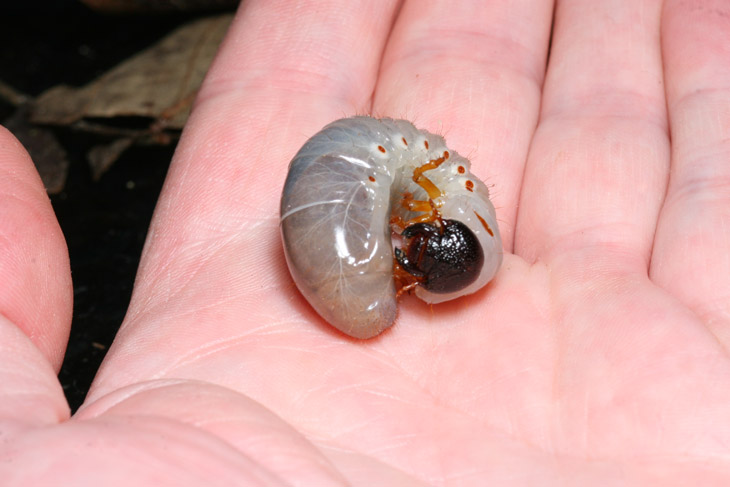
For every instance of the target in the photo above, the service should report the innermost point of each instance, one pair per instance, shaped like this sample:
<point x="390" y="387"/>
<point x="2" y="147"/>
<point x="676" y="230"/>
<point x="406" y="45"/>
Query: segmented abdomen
<point x="334" y="219"/>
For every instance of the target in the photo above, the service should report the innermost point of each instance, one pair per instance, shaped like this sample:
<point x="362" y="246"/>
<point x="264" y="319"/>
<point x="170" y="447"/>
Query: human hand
<point x="598" y="356"/>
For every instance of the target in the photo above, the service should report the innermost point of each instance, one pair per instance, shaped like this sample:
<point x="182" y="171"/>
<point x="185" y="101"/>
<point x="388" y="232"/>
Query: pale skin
<point x="598" y="356"/>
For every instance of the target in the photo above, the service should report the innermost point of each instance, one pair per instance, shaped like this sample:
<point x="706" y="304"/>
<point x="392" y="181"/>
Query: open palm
<point x="598" y="356"/>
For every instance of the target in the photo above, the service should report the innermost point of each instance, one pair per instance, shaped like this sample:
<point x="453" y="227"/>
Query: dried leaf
<point x="101" y="157"/>
<point x="12" y="96"/>
<point x="158" y="83"/>
<point x="49" y="157"/>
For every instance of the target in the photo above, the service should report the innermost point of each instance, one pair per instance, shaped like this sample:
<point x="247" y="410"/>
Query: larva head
<point x="445" y="259"/>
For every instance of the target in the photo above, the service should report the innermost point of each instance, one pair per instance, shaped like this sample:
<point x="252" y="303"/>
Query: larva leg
<point x="428" y="208"/>
<point x="430" y="212"/>
<point x="431" y="189"/>
<point x="433" y="217"/>
<point x="399" y="224"/>
<point x="405" y="281"/>
<point x="416" y="205"/>
<point x="407" y="288"/>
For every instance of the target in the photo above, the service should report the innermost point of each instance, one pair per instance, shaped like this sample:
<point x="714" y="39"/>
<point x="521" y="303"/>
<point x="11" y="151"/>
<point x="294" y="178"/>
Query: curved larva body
<point x="343" y="187"/>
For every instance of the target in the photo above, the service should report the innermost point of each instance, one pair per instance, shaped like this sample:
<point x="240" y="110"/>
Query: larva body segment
<point x="343" y="187"/>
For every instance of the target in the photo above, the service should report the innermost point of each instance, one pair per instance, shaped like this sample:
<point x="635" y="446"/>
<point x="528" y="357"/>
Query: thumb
<point x="35" y="289"/>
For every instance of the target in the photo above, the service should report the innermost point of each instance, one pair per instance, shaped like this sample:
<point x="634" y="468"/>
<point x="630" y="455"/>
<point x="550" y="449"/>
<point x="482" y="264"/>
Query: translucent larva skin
<point x="343" y="186"/>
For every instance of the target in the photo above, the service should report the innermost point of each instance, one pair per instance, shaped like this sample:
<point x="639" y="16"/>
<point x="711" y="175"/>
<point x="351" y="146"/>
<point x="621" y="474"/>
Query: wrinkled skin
<point x="598" y="356"/>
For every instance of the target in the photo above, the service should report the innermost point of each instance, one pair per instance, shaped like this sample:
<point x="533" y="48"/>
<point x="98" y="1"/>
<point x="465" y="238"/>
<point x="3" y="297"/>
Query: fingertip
<point x="36" y="292"/>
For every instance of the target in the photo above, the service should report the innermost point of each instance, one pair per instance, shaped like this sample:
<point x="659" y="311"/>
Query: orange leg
<point x="430" y="213"/>
<point x="428" y="207"/>
<point x="431" y="189"/>
<point x="405" y="281"/>
<point x="417" y="205"/>
<point x="398" y="222"/>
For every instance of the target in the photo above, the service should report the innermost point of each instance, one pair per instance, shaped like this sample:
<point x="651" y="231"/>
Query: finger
<point x="597" y="169"/>
<point x="472" y="71"/>
<point x="35" y="294"/>
<point x="594" y="185"/>
<point x="213" y="258"/>
<point x="691" y="257"/>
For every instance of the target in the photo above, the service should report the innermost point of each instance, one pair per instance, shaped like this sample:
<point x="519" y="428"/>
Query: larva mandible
<point x="360" y="180"/>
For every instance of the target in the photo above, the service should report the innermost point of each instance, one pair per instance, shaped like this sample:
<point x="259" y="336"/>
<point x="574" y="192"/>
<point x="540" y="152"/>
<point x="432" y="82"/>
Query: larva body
<point x="344" y="188"/>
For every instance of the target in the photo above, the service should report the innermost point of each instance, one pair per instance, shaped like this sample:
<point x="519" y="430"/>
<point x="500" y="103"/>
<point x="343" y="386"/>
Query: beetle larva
<point x="358" y="181"/>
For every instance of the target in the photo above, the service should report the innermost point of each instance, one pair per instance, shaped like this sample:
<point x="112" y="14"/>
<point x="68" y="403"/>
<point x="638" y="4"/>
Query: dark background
<point x="45" y="43"/>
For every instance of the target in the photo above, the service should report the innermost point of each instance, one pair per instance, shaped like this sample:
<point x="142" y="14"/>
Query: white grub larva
<point x="354" y="184"/>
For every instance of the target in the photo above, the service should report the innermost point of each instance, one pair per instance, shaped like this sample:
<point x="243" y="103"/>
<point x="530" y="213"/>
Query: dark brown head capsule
<point x="447" y="259"/>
